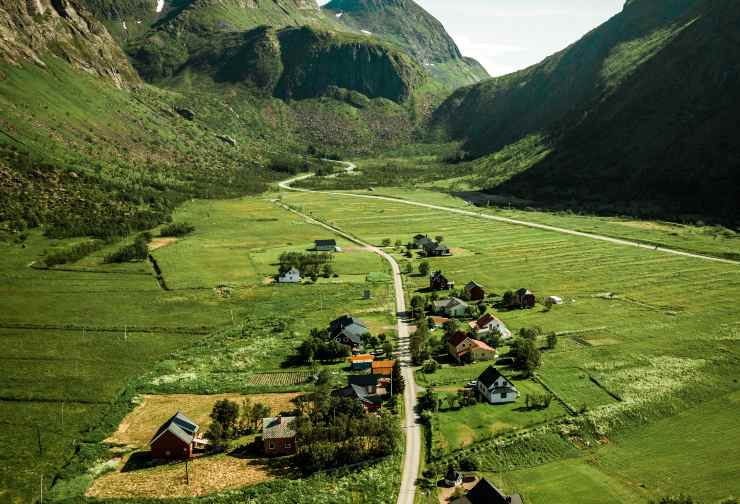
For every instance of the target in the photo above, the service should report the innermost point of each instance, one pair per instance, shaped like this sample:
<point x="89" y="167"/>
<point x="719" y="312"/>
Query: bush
<point x="176" y="230"/>
<point x="138" y="251"/>
<point x="468" y="464"/>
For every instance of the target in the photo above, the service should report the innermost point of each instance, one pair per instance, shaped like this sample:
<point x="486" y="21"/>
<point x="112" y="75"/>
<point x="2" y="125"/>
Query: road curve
<point x="617" y="241"/>
<point x="412" y="452"/>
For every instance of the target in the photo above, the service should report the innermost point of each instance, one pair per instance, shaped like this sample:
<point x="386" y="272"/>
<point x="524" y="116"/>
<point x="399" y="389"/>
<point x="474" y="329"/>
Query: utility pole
<point x="42" y="489"/>
<point x="187" y="472"/>
<point x="125" y="333"/>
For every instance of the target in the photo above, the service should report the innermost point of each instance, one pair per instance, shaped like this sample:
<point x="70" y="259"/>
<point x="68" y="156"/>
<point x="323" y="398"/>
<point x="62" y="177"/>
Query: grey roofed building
<point x="449" y="303"/>
<point x="179" y="425"/>
<point x="420" y="241"/>
<point x="434" y="249"/>
<point x="484" y="492"/>
<point x="348" y="330"/>
<point x="279" y="427"/>
<point x="326" y="245"/>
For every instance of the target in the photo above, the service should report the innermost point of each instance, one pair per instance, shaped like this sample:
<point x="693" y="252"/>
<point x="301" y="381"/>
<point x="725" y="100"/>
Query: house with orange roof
<point x="383" y="367"/>
<point x="462" y="347"/>
<point x="361" y="362"/>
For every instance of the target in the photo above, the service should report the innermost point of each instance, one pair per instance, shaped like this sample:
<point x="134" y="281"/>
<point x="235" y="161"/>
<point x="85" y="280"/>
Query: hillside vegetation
<point x="629" y="126"/>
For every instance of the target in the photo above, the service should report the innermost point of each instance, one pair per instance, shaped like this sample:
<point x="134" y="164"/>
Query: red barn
<point x="174" y="439"/>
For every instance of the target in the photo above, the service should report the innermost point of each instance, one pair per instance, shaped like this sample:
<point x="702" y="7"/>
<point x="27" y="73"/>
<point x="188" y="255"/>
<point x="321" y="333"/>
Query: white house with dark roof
<point x="496" y="388"/>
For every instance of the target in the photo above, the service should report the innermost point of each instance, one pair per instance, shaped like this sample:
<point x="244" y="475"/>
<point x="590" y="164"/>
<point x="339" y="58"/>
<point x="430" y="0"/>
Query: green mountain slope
<point x="638" y="114"/>
<point x="406" y="24"/>
<point x="86" y="149"/>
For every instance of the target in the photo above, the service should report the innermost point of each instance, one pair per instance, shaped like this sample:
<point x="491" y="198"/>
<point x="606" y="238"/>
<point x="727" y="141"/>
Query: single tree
<point x="424" y="268"/>
<point x="386" y="242"/>
<point x="552" y="340"/>
<point x="439" y="238"/>
<point x="388" y="349"/>
<point x="226" y="414"/>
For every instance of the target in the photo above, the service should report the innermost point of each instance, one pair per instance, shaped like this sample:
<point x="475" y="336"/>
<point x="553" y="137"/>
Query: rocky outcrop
<point x="408" y="25"/>
<point x="314" y="61"/>
<point x="30" y="30"/>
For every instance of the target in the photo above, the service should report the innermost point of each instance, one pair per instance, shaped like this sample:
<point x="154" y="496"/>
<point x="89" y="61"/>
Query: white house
<point x="290" y="276"/>
<point x="496" y="388"/>
<point x="488" y="323"/>
<point x="452" y="307"/>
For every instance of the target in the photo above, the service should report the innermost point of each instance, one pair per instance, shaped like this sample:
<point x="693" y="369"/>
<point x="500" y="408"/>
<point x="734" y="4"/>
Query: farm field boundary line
<point x="95" y="329"/>
<point x="517" y="222"/>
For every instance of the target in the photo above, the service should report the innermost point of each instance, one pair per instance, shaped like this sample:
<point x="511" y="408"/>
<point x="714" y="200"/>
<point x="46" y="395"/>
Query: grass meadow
<point x="81" y="339"/>
<point x="645" y="337"/>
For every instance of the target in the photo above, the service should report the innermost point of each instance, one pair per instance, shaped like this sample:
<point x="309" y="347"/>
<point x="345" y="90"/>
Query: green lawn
<point x="457" y="428"/>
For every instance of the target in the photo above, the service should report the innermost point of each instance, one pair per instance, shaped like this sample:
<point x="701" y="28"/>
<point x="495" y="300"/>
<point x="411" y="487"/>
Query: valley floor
<point x="658" y="331"/>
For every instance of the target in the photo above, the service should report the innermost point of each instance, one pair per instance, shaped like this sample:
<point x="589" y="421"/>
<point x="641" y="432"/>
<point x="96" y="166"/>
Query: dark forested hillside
<point x="640" y="113"/>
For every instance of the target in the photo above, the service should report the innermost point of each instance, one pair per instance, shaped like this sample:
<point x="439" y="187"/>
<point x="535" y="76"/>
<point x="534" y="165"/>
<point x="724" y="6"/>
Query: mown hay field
<point x="658" y="331"/>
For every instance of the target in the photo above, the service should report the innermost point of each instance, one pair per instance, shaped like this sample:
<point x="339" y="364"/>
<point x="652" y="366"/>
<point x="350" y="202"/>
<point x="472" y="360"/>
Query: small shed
<point x="326" y="245"/>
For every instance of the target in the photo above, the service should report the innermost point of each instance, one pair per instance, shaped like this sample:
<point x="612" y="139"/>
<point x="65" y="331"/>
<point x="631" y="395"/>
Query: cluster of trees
<point x="527" y="357"/>
<point x="176" y="230"/>
<point x="73" y="253"/>
<point x="311" y="265"/>
<point x="230" y="420"/>
<point x="139" y="250"/>
<point x="419" y="343"/>
<point x="335" y="431"/>
<point x="319" y="346"/>
<point x="537" y="401"/>
<point x="434" y="401"/>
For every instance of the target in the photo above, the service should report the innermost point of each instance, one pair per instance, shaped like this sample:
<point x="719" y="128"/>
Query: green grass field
<point x="660" y="343"/>
<point x="75" y="336"/>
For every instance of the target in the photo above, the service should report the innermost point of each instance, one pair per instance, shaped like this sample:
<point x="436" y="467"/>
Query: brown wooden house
<point x="474" y="291"/>
<point x="437" y="281"/>
<point x="523" y="298"/>
<point x="279" y="435"/>
<point x="175" y="438"/>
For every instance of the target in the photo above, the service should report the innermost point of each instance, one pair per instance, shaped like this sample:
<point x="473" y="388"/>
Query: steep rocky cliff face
<point x="406" y="24"/>
<point x="32" y="29"/>
<point x="299" y="63"/>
